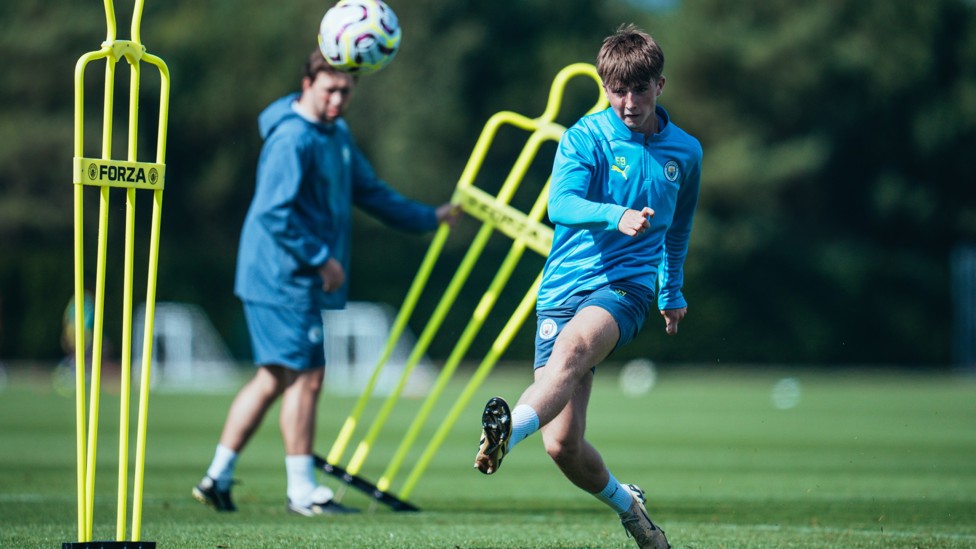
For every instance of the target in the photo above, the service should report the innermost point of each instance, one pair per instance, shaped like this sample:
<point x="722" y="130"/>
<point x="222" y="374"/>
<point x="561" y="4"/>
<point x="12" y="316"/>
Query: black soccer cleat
<point x="496" y="425"/>
<point x="207" y="493"/>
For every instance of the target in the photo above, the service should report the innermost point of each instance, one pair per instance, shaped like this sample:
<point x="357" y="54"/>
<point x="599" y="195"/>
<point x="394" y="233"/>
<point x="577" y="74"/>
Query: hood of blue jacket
<point x="276" y="113"/>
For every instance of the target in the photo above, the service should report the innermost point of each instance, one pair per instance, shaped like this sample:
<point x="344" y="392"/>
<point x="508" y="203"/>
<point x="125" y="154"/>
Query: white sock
<point x="301" y="479"/>
<point x="222" y="467"/>
<point x="616" y="495"/>
<point x="524" y="422"/>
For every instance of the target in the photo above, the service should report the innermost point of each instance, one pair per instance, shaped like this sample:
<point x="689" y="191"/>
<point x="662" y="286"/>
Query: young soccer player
<point x="624" y="191"/>
<point x="292" y="262"/>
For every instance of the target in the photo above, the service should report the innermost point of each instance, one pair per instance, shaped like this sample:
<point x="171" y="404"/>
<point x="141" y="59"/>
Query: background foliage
<point x="837" y="138"/>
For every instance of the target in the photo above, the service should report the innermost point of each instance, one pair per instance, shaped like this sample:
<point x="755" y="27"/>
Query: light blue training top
<point x="308" y="177"/>
<point x="602" y="168"/>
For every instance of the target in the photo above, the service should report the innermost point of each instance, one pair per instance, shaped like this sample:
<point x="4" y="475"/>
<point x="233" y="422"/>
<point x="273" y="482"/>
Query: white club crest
<point x="548" y="329"/>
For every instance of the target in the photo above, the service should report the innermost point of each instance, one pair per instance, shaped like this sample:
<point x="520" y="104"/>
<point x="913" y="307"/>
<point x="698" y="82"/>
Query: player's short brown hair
<point x="315" y="64"/>
<point x="629" y="57"/>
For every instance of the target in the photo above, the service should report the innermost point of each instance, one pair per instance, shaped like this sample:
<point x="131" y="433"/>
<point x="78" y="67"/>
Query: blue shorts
<point x="628" y="304"/>
<point x="285" y="337"/>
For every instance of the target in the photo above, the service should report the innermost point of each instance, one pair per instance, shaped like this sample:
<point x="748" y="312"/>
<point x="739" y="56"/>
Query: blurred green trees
<point x="837" y="140"/>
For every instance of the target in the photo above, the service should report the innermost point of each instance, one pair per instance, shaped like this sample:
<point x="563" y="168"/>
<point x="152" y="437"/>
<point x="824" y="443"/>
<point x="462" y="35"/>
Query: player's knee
<point x="562" y="449"/>
<point x="575" y="359"/>
<point x="567" y="350"/>
<point x="269" y="383"/>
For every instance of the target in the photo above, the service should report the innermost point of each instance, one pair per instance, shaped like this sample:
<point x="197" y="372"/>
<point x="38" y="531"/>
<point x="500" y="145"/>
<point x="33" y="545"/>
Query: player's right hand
<point x="633" y="223"/>
<point x="450" y="214"/>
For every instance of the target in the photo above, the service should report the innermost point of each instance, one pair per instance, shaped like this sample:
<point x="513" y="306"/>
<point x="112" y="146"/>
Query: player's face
<point x="329" y="94"/>
<point x="635" y="105"/>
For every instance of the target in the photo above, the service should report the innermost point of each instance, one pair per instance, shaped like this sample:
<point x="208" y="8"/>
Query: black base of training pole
<point x="364" y="486"/>
<point x="108" y="545"/>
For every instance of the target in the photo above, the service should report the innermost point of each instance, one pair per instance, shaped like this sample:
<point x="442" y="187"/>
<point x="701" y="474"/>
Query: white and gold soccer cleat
<point x="639" y="525"/>
<point x="496" y="431"/>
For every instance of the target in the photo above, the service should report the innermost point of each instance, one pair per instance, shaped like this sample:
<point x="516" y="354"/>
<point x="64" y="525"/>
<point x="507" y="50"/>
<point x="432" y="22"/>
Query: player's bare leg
<point x="560" y="395"/>
<point x="565" y="442"/>
<point x="249" y="406"/>
<point x="299" y="403"/>
<point x="298" y="410"/>
<point x="584" y="342"/>
<point x="244" y="417"/>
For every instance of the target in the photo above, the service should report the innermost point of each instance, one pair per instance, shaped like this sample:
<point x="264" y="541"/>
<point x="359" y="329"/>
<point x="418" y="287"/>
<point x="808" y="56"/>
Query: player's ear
<point x="660" y="86"/>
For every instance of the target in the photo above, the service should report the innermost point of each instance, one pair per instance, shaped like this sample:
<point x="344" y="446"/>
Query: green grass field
<point x="864" y="460"/>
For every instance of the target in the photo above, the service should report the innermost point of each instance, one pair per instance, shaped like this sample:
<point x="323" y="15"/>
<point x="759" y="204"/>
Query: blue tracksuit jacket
<point x="601" y="169"/>
<point x="309" y="176"/>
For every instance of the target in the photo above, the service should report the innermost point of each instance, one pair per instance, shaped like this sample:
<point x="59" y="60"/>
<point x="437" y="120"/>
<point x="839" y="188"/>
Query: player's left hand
<point x="671" y="319"/>
<point x="450" y="214"/>
<point x="332" y="274"/>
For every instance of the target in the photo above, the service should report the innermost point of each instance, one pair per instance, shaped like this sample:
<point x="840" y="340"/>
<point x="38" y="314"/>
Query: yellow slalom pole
<point x="399" y="324"/>
<point x="79" y="299"/>
<point x="495" y="213"/>
<point x="478" y="318"/>
<point x="150" y="301"/>
<point x="485" y="306"/>
<point x="524" y="234"/>
<point x="447" y="300"/>
<point x="85" y="466"/>
<point x="471" y="169"/>
<point x="559" y="85"/>
<point x="140" y="466"/>
<point x="87" y="459"/>
<point x="406" y="310"/>
<point x="426" y="336"/>
<point x="80" y="363"/>
<point x="524" y="309"/>
<point x="102" y="245"/>
<point x="544" y="130"/>
<point x="482" y="310"/>
<point x="126" y="366"/>
<point x="104" y="173"/>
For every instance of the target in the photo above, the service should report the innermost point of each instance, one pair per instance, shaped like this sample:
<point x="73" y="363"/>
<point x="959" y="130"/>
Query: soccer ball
<point x="359" y="36"/>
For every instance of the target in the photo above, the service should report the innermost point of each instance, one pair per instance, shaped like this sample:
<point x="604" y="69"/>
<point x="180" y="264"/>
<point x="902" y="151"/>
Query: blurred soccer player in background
<point x="292" y="263"/>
